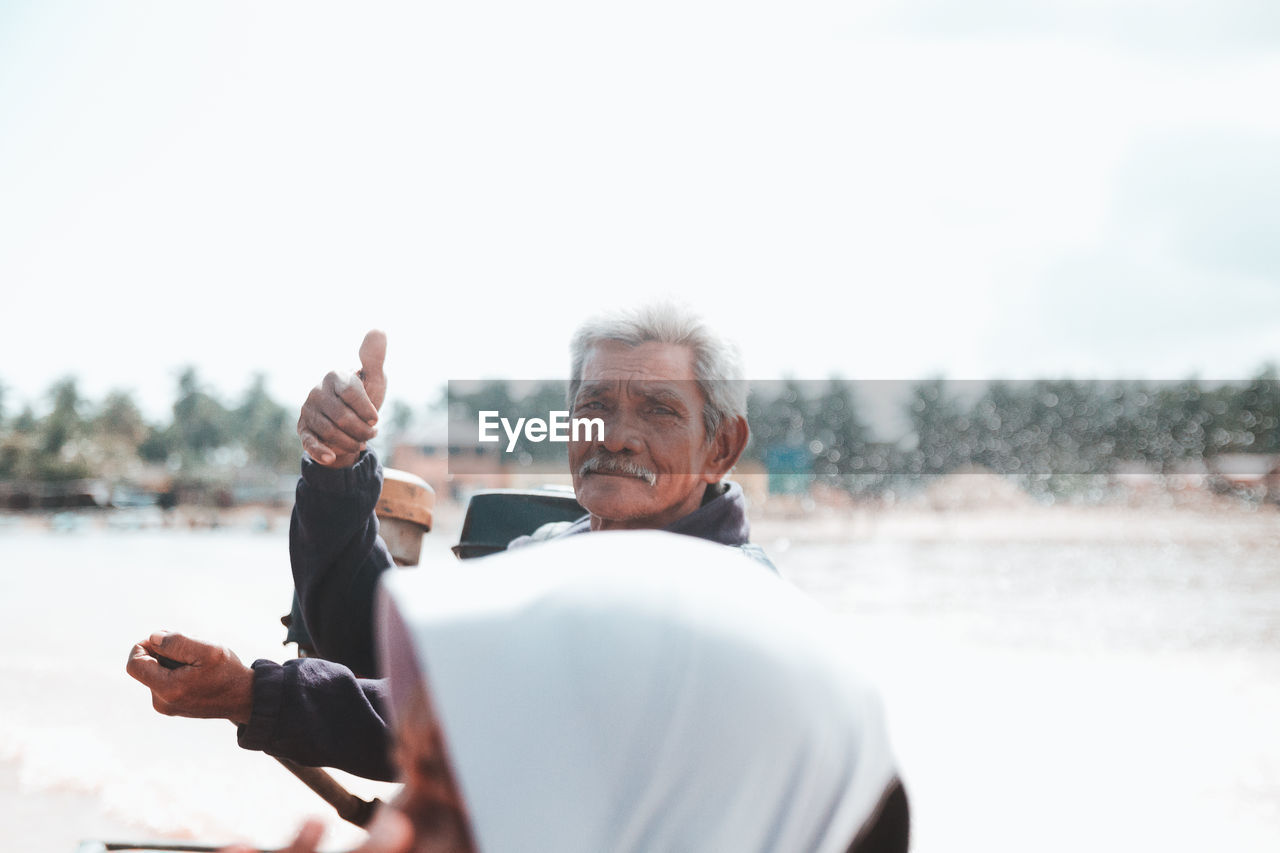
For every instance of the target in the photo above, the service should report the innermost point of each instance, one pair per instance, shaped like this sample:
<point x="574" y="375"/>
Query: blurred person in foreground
<point x="673" y="401"/>
<point x="633" y="691"/>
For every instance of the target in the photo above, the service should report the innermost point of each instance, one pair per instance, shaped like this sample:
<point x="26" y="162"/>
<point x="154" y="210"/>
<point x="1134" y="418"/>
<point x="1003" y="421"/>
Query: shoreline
<point x="799" y="521"/>
<point x="1049" y="525"/>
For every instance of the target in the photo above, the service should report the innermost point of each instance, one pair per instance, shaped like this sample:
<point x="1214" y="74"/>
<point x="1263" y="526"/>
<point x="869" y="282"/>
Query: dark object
<point x="496" y="517"/>
<point x="889" y="830"/>
<point x="167" y="663"/>
<point x="348" y="806"/>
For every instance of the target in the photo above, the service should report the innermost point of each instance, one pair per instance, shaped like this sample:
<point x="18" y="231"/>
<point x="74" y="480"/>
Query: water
<point x="1043" y="696"/>
<point x="71" y="720"/>
<point x="1067" y="697"/>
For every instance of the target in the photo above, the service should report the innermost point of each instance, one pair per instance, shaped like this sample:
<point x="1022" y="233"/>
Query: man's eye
<point x="662" y="410"/>
<point x="591" y="405"/>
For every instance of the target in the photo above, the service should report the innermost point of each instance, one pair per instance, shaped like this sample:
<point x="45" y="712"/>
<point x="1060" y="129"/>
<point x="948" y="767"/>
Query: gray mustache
<point x="614" y="465"/>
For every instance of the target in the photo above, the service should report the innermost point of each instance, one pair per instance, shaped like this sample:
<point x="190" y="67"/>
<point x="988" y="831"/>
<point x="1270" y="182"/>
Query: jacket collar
<point x="722" y="518"/>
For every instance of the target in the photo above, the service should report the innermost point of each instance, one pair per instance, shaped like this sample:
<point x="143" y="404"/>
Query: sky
<point x="869" y="189"/>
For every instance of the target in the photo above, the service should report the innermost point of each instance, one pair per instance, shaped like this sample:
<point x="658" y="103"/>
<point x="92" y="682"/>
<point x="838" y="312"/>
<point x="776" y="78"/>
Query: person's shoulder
<point x="551" y="530"/>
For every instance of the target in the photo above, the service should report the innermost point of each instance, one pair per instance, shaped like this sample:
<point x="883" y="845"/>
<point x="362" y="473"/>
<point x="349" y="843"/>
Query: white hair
<point x="717" y="364"/>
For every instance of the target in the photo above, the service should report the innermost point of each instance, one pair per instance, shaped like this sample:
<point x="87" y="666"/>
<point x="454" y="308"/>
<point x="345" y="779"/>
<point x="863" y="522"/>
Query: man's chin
<point x="614" y="498"/>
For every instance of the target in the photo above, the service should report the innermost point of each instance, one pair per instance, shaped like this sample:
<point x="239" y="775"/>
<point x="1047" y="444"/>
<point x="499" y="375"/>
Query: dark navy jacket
<point x="325" y="711"/>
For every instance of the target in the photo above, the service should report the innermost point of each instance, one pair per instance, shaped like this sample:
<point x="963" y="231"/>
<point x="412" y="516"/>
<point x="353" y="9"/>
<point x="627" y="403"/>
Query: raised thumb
<point x="373" y="351"/>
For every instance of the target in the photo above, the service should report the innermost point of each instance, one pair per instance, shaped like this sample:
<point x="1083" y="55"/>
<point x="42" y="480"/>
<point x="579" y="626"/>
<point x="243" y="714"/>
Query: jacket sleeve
<point x="337" y="558"/>
<point x="318" y="713"/>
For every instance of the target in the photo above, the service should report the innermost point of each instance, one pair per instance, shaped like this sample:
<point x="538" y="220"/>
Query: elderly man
<point x="673" y="403"/>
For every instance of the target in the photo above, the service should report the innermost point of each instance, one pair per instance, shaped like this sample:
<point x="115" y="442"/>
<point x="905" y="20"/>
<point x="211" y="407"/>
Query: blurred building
<point x="457" y="469"/>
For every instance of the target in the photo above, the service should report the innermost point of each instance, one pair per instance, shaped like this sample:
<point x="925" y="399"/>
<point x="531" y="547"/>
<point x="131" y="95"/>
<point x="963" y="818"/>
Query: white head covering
<point x="634" y="691"/>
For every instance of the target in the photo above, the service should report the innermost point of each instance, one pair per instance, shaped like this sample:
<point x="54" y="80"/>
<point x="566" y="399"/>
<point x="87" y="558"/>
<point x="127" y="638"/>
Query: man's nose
<point x="621" y="435"/>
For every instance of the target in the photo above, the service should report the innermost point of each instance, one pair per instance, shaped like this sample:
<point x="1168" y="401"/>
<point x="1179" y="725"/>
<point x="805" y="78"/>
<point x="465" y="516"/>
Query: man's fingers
<point x="315" y="448"/>
<point x="337" y="437"/>
<point x="351" y="390"/>
<point x="349" y="406"/>
<point x="373" y="352"/>
<point x="175" y="647"/>
<point x="144" y="668"/>
<point x="183" y="649"/>
<point x="340" y="413"/>
<point x="342" y="398"/>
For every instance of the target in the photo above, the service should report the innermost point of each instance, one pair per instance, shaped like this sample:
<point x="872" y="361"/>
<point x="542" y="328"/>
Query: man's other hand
<point x="341" y="413"/>
<point x="210" y="683"/>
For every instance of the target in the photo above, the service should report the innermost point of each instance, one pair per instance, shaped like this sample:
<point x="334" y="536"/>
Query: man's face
<point x="655" y="460"/>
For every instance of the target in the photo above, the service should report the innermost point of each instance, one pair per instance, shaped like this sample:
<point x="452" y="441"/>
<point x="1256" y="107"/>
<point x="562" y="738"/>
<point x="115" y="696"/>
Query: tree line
<point x="78" y="438"/>
<point x="1050" y="436"/>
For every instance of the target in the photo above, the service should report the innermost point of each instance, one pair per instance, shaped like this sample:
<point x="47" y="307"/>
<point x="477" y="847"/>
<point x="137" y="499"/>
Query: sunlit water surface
<point x="1042" y="697"/>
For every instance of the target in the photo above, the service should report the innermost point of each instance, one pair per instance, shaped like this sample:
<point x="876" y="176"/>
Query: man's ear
<point x="727" y="446"/>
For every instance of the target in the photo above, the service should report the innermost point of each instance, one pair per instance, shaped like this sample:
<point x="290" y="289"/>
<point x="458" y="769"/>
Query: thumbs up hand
<point x="373" y="351"/>
<point x="341" y="413"/>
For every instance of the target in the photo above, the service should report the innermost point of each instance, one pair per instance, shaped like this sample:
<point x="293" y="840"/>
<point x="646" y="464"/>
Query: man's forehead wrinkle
<point x="592" y="388"/>
<point x="655" y="389"/>
<point x="667" y="391"/>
